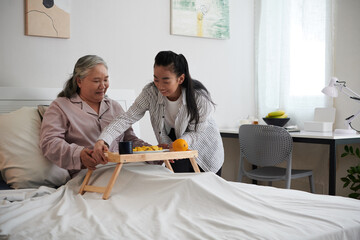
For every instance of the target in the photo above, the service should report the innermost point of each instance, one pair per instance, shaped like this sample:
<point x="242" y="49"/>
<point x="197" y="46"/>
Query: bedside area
<point x="320" y="152"/>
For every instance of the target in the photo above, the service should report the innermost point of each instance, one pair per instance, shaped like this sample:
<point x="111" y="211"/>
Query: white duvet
<point x="150" y="202"/>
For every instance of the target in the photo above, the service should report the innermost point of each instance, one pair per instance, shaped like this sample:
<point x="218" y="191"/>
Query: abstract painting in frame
<point x="200" y="18"/>
<point x="47" y="18"/>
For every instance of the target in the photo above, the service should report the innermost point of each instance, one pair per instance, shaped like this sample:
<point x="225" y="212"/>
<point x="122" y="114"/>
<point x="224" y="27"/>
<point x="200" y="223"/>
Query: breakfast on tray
<point x="178" y="145"/>
<point x="147" y="148"/>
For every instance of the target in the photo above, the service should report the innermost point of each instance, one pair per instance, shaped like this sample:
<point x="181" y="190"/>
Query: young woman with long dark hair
<point x="179" y="107"/>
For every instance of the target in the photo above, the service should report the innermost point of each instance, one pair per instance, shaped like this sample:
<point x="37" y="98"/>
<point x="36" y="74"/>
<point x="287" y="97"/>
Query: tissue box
<point x="317" y="126"/>
<point x="323" y="120"/>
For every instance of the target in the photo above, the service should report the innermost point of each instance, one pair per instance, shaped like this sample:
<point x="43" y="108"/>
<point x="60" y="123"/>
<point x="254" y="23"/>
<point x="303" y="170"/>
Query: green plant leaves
<point x="354" y="187"/>
<point x="354" y="195"/>
<point x="346" y="181"/>
<point x="353" y="176"/>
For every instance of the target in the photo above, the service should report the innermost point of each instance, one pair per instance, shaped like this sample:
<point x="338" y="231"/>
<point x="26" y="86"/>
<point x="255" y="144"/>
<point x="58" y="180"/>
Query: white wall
<point x="128" y="34"/>
<point x="347" y="68"/>
<point x="347" y="57"/>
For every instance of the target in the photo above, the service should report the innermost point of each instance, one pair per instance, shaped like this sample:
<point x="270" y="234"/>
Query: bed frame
<point x="13" y="98"/>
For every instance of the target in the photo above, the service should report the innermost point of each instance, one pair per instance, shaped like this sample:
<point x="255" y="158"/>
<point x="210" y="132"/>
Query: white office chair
<point x="265" y="146"/>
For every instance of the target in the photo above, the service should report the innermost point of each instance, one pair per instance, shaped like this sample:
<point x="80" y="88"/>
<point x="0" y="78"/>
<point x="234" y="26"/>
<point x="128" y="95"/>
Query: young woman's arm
<point x="121" y="123"/>
<point x="206" y="109"/>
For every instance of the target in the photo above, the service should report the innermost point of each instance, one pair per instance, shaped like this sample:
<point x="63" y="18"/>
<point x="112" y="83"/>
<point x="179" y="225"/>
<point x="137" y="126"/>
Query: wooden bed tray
<point x="125" y="158"/>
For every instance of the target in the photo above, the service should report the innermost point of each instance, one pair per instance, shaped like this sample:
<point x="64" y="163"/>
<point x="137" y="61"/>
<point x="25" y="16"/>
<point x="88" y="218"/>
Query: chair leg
<point x="240" y="176"/>
<point x="312" y="185"/>
<point x="288" y="183"/>
<point x="240" y="169"/>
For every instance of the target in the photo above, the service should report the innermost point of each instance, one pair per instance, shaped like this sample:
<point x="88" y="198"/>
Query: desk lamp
<point x="332" y="91"/>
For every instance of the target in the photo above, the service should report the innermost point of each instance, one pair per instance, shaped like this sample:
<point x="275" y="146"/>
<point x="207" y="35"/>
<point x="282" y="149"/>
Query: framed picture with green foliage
<point x="200" y="18"/>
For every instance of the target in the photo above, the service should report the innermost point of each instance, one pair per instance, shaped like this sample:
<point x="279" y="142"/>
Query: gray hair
<point x="81" y="70"/>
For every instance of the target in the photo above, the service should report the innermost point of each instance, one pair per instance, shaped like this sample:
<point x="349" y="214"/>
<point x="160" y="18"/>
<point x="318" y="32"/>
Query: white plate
<point x="142" y="152"/>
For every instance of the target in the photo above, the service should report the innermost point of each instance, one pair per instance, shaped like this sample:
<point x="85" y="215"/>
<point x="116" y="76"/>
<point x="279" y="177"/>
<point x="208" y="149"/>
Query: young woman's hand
<point x="99" y="149"/>
<point x="163" y="145"/>
<point x="166" y="146"/>
<point x="171" y="146"/>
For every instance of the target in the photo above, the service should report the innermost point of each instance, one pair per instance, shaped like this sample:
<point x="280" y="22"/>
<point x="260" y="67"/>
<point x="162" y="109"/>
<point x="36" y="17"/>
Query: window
<point x="293" y="56"/>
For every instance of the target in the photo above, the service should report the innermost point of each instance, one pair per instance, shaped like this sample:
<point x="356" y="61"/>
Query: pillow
<point x="41" y="110"/>
<point x="22" y="163"/>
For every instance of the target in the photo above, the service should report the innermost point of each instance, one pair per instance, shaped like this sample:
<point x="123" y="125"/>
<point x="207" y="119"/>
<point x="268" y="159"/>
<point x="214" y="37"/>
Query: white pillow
<point x="22" y="163"/>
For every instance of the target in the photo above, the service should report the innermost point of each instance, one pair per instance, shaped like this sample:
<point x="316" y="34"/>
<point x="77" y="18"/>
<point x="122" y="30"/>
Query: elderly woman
<point x="74" y="121"/>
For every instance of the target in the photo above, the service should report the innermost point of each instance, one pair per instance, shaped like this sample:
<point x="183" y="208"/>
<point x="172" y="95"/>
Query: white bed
<point x="150" y="202"/>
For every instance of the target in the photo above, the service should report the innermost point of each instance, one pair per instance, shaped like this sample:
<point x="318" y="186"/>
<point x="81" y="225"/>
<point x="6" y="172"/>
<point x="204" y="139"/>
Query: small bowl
<point x="280" y="122"/>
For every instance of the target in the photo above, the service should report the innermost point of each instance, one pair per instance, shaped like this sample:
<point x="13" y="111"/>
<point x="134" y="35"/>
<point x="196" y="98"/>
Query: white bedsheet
<point x="150" y="202"/>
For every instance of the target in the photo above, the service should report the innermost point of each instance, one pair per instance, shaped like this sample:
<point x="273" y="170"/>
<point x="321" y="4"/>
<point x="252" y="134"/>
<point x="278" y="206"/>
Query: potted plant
<point x="352" y="180"/>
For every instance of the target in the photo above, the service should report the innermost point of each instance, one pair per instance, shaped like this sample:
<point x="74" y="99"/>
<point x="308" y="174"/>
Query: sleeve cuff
<point x="107" y="140"/>
<point x="76" y="158"/>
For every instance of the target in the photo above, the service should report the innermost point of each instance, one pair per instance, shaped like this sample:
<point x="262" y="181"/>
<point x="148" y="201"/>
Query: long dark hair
<point x="178" y="64"/>
<point x="81" y="70"/>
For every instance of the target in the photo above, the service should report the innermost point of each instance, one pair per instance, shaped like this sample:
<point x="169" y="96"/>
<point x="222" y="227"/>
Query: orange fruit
<point x="180" y="145"/>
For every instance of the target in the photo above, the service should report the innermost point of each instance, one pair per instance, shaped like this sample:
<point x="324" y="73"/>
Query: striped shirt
<point x="206" y="139"/>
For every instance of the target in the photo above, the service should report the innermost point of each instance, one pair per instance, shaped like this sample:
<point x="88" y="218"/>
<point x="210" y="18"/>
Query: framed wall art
<point x="200" y="18"/>
<point x="47" y="18"/>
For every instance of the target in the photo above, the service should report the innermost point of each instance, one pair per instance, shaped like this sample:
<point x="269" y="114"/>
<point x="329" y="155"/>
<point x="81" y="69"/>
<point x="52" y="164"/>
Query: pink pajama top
<point x="69" y="125"/>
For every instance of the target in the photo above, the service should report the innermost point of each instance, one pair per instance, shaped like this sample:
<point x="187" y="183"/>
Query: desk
<point x="328" y="138"/>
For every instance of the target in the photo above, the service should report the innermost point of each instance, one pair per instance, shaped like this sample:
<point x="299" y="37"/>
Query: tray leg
<point x="194" y="165"/>
<point x="168" y="165"/>
<point x="112" y="181"/>
<point x="86" y="181"/>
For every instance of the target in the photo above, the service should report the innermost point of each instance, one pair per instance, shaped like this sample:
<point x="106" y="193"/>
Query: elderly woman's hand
<point x="87" y="160"/>
<point x="99" y="149"/>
